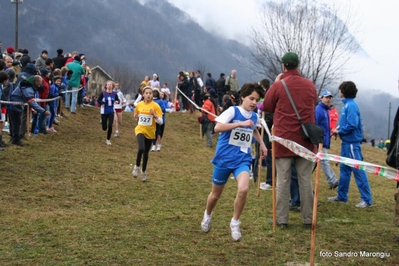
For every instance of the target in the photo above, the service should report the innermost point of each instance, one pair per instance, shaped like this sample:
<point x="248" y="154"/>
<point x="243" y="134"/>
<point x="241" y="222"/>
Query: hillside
<point x="152" y="38"/>
<point x="69" y="199"/>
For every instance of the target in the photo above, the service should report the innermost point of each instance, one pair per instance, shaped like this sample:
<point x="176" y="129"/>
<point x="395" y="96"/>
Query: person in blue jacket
<point x="24" y="93"/>
<point x="351" y="133"/>
<point x="237" y="126"/>
<point x="158" y="97"/>
<point x="323" y="120"/>
<point x="106" y="101"/>
<point x="53" y="93"/>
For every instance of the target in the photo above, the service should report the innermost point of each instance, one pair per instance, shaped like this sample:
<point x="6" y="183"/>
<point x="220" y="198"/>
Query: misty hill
<point x="152" y="38"/>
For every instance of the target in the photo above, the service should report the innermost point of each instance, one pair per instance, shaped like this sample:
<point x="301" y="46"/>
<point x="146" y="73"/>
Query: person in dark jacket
<point x="192" y="90"/>
<point x="220" y="89"/>
<point x="233" y="100"/>
<point x="30" y="70"/>
<point x="24" y="93"/>
<point x="25" y="59"/>
<point x="59" y="60"/>
<point x="183" y="85"/>
<point x="210" y="82"/>
<point x="389" y="149"/>
<point x="323" y="120"/>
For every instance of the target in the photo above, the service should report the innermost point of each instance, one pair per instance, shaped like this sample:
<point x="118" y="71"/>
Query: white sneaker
<point x="265" y="186"/>
<point x="143" y="176"/>
<point x="363" y="205"/>
<point x="159" y="147"/>
<point x="206" y="223"/>
<point x="184" y="110"/>
<point x="235" y="230"/>
<point x="153" y="148"/>
<point x="135" y="171"/>
<point x="108" y="142"/>
<point x="116" y="134"/>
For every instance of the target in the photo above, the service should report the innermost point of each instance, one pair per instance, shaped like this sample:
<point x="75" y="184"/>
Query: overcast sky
<point x="378" y="33"/>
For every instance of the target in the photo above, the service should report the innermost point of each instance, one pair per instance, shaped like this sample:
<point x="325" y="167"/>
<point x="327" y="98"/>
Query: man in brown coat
<point x="287" y="126"/>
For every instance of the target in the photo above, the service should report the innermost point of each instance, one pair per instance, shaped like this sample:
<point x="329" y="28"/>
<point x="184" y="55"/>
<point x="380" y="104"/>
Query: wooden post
<point x="60" y="103"/>
<point x="262" y="132"/>
<point x="27" y="120"/>
<point x="274" y="182"/>
<point x="314" y="218"/>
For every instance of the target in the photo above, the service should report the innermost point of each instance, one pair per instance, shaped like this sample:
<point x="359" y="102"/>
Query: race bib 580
<point x="241" y="137"/>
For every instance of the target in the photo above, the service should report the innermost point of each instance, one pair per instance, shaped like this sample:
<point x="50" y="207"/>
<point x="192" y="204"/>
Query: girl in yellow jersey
<point x="147" y="113"/>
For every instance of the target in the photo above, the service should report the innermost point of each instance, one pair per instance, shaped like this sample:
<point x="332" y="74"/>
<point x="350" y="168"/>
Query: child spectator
<point x="54" y="88"/>
<point x="209" y="119"/>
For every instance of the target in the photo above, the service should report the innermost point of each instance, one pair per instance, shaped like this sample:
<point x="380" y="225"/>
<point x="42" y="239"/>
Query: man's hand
<point x="278" y="78"/>
<point x="263" y="151"/>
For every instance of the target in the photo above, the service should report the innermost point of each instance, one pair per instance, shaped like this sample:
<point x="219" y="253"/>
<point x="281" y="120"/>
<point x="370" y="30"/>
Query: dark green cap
<point x="290" y="58"/>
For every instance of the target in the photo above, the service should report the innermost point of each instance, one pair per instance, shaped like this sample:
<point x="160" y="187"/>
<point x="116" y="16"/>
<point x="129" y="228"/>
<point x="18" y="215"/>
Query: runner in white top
<point x="118" y="108"/>
<point x="154" y="83"/>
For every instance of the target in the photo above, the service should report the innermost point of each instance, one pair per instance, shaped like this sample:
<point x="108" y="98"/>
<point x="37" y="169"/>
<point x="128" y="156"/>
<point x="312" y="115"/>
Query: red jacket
<point x="208" y="105"/>
<point x="285" y="121"/>
<point x="43" y="94"/>
<point x="69" y="60"/>
<point x="333" y="117"/>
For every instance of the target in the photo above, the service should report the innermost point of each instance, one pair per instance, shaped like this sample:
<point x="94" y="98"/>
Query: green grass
<point x="69" y="199"/>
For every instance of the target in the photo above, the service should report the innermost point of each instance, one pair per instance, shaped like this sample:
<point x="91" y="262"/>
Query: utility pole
<point x="389" y="120"/>
<point x="16" y="2"/>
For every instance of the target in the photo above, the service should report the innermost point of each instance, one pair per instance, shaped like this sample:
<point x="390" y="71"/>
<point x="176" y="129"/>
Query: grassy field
<point x="69" y="199"/>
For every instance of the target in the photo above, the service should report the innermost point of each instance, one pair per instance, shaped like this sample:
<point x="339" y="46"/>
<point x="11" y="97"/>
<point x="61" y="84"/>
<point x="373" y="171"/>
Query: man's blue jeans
<point x="294" y="187"/>
<point x="71" y="103"/>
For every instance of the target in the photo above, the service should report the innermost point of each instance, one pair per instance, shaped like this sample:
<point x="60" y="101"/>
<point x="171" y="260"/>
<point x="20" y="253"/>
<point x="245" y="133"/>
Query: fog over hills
<point x="155" y="37"/>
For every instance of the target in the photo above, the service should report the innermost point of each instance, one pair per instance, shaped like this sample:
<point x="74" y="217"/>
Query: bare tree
<point x="127" y="77"/>
<point x="318" y="33"/>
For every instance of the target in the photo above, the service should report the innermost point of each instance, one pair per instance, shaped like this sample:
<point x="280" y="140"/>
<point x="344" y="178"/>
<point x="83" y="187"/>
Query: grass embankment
<point x="69" y="199"/>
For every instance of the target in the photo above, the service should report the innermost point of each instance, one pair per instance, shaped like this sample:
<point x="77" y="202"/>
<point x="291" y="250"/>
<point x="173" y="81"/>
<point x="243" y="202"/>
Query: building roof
<point x="102" y="70"/>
